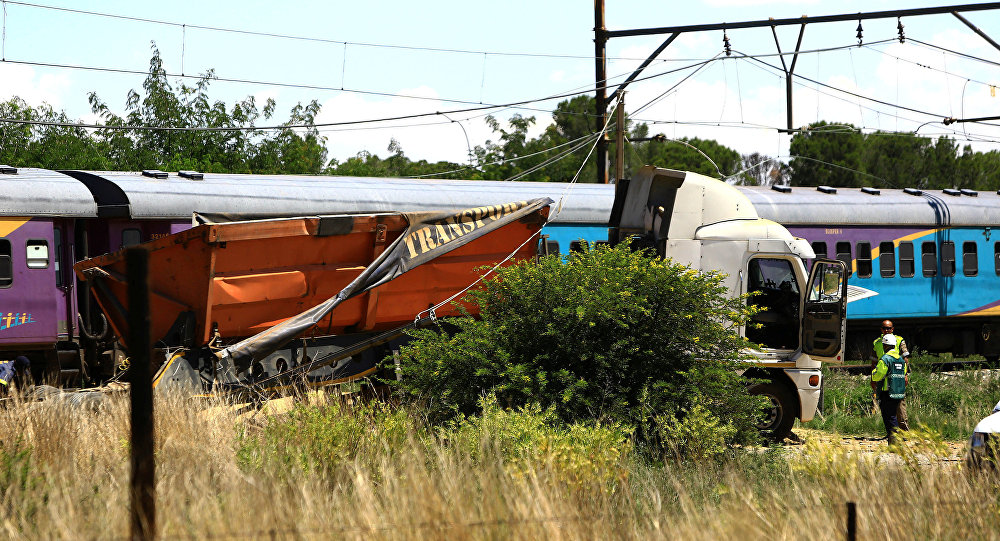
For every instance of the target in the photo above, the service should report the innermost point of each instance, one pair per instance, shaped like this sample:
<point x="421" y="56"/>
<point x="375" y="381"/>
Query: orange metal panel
<point x="249" y="276"/>
<point x="258" y="287"/>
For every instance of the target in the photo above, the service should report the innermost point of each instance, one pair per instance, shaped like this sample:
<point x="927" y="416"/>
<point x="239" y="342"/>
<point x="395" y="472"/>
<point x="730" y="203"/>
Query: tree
<point x="761" y="170"/>
<point x="827" y="154"/>
<point x="241" y="148"/>
<point x="695" y="155"/>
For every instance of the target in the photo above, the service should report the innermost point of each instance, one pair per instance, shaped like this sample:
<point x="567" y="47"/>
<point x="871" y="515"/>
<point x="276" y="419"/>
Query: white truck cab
<point x="709" y="225"/>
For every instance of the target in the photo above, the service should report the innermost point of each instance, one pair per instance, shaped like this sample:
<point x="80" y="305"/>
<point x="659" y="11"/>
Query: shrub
<point x="528" y="437"/>
<point x="698" y="434"/>
<point x="609" y="334"/>
<point x="321" y="438"/>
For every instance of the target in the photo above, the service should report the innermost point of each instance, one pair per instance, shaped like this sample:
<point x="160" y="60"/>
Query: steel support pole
<point x="976" y="29"/>
<point x="600" y="101"/>
<point x="143" y="486"/>
<point x="620" y="139"/>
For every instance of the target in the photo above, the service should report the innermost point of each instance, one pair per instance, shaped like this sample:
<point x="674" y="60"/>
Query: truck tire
<point x="779" y="417"/>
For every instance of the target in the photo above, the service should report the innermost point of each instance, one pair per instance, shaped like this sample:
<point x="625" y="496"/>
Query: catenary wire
<point x="507" y="159"/>
<point x="301" y="125"/>
<point x="430" y="311"/>
<point x="363" y="44"/>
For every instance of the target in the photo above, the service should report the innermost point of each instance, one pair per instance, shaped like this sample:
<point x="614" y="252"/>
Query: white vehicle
<point x="709" y="225"/>
<point x="985" y="442"/>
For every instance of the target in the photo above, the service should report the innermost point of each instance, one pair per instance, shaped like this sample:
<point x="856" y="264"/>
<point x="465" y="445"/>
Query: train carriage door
<point x="824" y="310"/>
<point x="62" y="267"/>
<point x="29" y="300"/>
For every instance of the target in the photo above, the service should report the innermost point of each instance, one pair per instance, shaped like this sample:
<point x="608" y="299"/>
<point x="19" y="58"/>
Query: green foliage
<point x="699" y="434"/>
<point x="838" y="145"/>
<point x="610" y="334"/>
<point x="948" y="404"/>
<point x="242" y="150"/>
<point x="312" y="438"/>
<point x="680" y="155"/>
<point x="17" y="472"/>
<point x="524" y="438"/>
<point x="887" y="160"/>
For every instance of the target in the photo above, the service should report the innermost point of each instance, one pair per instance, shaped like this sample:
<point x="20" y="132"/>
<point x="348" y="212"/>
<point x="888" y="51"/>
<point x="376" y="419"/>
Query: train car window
<point x="576" y="246"/>
<point x="996" y="257"/>
<point x="886" y="259"/>
<point x="947" y="258"/>
<point x="57" y="248"/>
<point x="906" y="260"/>
<point x="131" y="237"/>
<point x="6" y="266"/>
<point x="970" y="259"/>
<point x="928" y="258"/>
<point x="37" y="254"/>
<point x="820" y="249"/>
<point x="864" y="251"/>
<point x="844" y="254"/>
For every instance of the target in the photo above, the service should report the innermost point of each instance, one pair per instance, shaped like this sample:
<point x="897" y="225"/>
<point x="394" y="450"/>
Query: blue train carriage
<point x="39" y="214"/>
<point x="933" y="257"/>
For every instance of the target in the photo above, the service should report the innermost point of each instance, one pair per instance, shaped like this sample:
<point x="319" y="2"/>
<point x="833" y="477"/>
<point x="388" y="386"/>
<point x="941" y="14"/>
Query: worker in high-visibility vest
<point x="12" y="372"/>
<point x="904" y="352"/>
<point x="889" y="381"/>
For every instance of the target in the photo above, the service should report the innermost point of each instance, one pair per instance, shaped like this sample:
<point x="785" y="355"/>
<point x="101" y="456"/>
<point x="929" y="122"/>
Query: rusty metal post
<point x="620" y="139"/>
<point x="852" y="521"/>
<point x="143" y="486"/>
<point x="600" y="100"/>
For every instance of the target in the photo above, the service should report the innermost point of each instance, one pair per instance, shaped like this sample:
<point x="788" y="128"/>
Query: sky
<point x="406" y="58"/>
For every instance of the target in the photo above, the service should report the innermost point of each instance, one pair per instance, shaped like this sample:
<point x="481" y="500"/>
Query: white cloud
<point x="25" y="82"/>
<point x="431" y="137"/>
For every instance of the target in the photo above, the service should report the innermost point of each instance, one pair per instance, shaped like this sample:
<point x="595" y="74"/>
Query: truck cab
<point x="709" y="225"/>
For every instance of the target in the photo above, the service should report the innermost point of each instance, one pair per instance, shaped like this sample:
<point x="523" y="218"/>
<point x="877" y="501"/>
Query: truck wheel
<point x="779" y="416"/>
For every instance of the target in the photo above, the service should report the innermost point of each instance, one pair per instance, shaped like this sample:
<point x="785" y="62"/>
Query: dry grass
<point x="64" y="474"/>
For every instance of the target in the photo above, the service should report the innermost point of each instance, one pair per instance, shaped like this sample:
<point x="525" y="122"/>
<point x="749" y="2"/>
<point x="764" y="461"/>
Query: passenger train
<point x="927" y="254"/>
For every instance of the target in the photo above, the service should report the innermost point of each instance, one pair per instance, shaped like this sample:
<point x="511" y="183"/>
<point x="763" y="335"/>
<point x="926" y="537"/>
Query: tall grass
<point x="333" y="471"/>
<point x="950" y="403"/>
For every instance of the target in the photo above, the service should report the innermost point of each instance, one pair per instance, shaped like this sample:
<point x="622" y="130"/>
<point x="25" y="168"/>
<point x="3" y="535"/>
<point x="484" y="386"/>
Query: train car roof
<point x="852" y="206"/>
<point x="175" y="197"/>
<point x="27" y="191"/>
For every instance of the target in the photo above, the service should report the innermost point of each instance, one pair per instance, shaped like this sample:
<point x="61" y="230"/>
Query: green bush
<point x="525" y="438"/>
<point x="322" y="438"/>
<point x="610" y="334"/>
<point x="698" y="435"/>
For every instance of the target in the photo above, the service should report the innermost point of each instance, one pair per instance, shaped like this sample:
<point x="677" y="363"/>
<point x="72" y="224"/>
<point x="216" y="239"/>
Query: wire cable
<point x="476" y="107"/>
<point x="505" y="160"/>
<point x="430" y="311"/>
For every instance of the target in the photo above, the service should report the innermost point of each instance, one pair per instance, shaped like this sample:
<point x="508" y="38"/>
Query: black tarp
<point x="428" y="235"/>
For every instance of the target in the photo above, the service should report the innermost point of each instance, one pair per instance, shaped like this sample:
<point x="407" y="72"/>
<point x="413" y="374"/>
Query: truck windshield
<point x="775" y="292"/>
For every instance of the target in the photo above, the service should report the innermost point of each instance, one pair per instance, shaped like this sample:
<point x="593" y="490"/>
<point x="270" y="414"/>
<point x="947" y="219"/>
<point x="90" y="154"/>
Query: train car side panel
<point x="31" y="305"/>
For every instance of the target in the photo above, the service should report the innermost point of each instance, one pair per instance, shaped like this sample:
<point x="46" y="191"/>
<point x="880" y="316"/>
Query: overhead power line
<point x="476" y="107"/>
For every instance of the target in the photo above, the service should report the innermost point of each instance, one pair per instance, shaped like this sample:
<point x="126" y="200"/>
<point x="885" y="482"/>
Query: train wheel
<point x="778" y="416"/>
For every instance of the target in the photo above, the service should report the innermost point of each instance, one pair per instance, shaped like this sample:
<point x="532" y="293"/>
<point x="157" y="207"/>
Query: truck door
<point x="824" y="311"/>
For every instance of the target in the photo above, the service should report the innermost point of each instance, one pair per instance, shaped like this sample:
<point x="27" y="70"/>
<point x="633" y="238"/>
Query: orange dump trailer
<point x="241" y="278"/>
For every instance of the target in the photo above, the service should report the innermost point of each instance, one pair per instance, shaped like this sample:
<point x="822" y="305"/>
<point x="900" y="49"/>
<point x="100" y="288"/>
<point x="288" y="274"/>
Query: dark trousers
<point x="889" y="408"/>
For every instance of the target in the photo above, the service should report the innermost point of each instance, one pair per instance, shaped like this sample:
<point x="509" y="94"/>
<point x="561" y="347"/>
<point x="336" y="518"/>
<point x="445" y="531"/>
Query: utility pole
<point x="600" y="102"/>
<point x="620" y="139"/>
